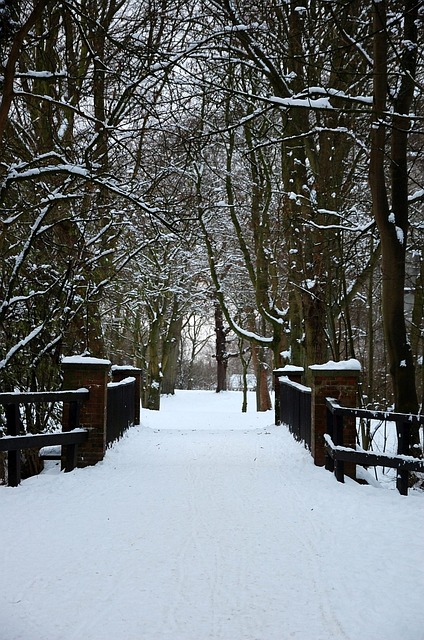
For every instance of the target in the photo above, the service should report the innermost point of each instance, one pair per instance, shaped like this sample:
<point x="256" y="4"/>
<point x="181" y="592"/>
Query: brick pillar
<point x="337" y="380"/>
<point x="120" y="372"/>
<point x="92" y="374"/>
<point x="295" y="374"/>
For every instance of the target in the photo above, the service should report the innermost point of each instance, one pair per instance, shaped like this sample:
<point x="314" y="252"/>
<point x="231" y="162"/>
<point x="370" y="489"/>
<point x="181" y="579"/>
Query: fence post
<point x="403" y="435"/>
<point x="337" y="380"/>
<point x="120" y="372"/>
<point x="293" y="373"/>
<point x="13" y="421"/>
<point x="92" y="374"/>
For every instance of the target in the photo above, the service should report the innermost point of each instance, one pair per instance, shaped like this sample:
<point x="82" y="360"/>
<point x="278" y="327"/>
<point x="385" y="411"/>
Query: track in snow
<point x="205" y="532"/>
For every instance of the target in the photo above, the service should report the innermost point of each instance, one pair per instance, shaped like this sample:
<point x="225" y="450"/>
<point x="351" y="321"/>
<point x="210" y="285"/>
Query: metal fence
<point x="295" y="409"/>
<point x="337" y="454"/>
<point x="14" y="442"/>
<point x="120" y="408"/>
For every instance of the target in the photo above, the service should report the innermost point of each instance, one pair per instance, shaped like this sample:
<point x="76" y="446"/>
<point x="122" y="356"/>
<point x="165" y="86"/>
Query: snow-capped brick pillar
<point x="337" y="380"/>
<point x="120" y="372"/>
<point x="92" y="374"/>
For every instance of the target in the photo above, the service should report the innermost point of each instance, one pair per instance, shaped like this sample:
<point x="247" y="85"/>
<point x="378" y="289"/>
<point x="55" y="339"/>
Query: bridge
<point x="206" y="523"/>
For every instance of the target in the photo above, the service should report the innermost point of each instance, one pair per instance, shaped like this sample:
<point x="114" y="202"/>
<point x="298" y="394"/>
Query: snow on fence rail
<point x="337" y="454"/>
<point x="328" y="426"/>
<point x="295" y="409"/>
<point x="303" y="408"/>
<point x="13" y="442"/>
<point x="120" y="408"/>
<point x="88" y="406"/>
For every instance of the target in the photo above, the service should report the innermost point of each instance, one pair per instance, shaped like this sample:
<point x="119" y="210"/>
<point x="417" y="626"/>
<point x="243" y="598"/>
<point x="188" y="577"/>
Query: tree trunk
<point x="392" y="221"/>
<point x="245" y="361"/>
<point x="154" y="374"/>
<point x="220" y="350"/>
<point x="263" y="397"/>
<point x="417" y="341"/>
<point x="315" y="325"/>
<point x="10" y="67"/>
<point x="170" y="356"/>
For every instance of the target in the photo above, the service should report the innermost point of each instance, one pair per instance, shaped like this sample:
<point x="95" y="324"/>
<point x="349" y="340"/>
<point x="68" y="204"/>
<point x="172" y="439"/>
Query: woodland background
<point x="247" y="170"/>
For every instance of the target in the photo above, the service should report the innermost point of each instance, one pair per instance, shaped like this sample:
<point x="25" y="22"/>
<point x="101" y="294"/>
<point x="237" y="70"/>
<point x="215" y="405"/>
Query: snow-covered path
<point x="208" y="524"/>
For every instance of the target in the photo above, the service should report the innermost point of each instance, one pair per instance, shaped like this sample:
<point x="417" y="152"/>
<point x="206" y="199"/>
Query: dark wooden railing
<point x="120" y="408"/>
<point x="337" y="454"/>
<point x="13" y="442"/>
<point x="295" y="409"/>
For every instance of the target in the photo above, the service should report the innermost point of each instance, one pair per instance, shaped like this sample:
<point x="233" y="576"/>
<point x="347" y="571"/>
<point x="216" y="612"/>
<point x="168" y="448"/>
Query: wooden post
<point x="70" y="451"/>
<point x="120" y="372"/>
<point x="337" y="380"/>
<point x="402" y="476"/>
<point x="13" y="424"/>
<point x="339" y="435"/>
<point x="92" y="374"/>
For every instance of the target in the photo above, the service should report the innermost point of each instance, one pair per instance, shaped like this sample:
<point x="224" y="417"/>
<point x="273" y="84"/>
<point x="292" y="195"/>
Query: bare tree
<point x="394" y="81"/>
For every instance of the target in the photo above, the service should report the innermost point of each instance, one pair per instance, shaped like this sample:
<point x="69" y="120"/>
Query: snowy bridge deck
<point x="206" y="524"/>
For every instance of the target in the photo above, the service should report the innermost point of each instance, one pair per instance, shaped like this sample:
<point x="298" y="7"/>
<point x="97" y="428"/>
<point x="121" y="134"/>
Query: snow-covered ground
<point x="207" y="524"/>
